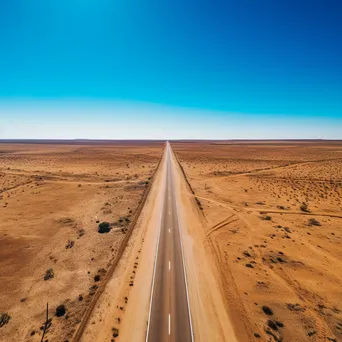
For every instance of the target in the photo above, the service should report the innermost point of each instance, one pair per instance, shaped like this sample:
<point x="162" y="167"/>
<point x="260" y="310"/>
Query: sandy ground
<point x="51" y="197"/>
<point x="279" y="270"/>
<point x="258" y="266"/>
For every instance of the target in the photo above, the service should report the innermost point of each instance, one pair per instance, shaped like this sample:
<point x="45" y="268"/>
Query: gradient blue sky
<point x="170" y="69"/>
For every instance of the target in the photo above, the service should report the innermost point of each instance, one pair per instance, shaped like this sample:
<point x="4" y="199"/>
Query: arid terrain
<point x="52" y="199"/>
<point x="272" y="216"/>
<point x="260" y="222"/>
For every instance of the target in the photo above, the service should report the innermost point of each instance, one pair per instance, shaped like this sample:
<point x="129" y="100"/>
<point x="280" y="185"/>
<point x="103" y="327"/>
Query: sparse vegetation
<point x="295" y="307"/>
<point x="279" y="324"/>
<point x="314" y="222"/>
<point x="49" y="274"/>
<point x="272" y="324"/>
<point x="104" y="227"/>
<point x="93" y="289"/>
<point x="267" y="310"/>
<point x="59" y="232"/>
<point x="266" y="218"/>
<point x="304" y="208"/>
<point x="60" y="310"/>
<point x="115" y="332"/>
<point x="70" y="244"/>
<point x="4" y="319"/>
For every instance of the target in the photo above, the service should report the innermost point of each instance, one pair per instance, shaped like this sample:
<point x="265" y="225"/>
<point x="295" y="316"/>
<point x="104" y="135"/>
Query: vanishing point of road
<point x="169" y="316"/>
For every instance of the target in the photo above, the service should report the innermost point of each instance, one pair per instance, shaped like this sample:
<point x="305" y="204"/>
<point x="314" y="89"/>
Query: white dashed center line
<point x="169" y="324"/>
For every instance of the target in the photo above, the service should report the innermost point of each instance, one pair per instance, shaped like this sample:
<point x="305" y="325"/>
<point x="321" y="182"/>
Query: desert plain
<point x="52" y="198"/>
<point x="267" y="214"/>
<point x="272" y="213"/>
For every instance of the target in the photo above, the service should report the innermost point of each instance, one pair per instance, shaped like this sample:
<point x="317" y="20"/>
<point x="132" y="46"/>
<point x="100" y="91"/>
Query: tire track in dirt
<point x="278" y="167"/>
<point x="221" y="225"/>
<point x="16" y="186"/>
<point x="266" y="210"/>
<point x="310" y="299"/>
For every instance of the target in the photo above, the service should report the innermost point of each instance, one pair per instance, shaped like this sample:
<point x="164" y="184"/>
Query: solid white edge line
<point x="155" y="265"/>
<point x="184" y="270"/>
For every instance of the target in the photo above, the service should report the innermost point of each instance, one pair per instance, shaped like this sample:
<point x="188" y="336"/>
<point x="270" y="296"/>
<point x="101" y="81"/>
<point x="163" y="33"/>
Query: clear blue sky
<point x="170" y="69"/>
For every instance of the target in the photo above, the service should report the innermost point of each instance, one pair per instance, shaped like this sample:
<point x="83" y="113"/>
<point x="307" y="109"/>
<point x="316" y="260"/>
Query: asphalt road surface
<point x="169" y="316"/>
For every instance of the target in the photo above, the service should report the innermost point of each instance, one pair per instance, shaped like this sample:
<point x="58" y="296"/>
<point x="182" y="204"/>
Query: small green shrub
<point x="4" y="318"/>
<point x="267" y="310"/>
<point x="104" y="227"/>
<point x="49" y="274"/>
<point x="60" y="310"/>
<point x="314" y="222"/>
<point x="304" y="207"/>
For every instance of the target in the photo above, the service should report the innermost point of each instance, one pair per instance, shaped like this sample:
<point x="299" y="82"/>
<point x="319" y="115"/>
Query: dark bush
<point x="4" y="318"/>
<point x="97" y="278"/>
<point x="267" y="310"/>
<point x="115" y="332"/>
<point x="81" y="232"/>
<point x="312" y="332"/>
<point x="304" y="207"/>
<point x="93" y="289"/>
<point x="60" y="310"/>
<point x="272" y="324"/>
<point x="70" y="244"/>
<point x="279" y="324"/>
<point x="295" y="307"/>
<point x="104" y="227"/>
<point x="49" y="274"/>
<point x="314" y="222"/>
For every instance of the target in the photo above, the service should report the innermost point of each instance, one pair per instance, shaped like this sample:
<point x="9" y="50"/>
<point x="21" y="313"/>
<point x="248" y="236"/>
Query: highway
<point x="169" y="314"/>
